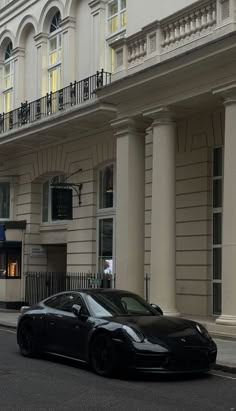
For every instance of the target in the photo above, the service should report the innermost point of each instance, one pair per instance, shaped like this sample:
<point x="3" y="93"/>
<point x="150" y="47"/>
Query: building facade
<point x="117" y="147"/>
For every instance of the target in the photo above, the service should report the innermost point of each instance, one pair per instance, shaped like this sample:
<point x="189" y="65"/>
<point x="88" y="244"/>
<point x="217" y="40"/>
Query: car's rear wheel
<point x="102" y="355"/>
<point x="27" y="341"/>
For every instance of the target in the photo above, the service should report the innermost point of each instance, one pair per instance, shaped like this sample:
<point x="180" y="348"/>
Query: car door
<point x="66" y="331"/>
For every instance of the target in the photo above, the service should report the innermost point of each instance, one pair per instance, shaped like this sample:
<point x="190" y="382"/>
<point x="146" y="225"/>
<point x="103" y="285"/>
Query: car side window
<point x="131" y="305"/>
<point x="65" y="302"/>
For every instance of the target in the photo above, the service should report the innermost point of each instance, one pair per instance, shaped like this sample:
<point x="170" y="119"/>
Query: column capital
<point x="18" y="52"/>
<point x="160" y="115"/>
<point x="68" y="22"/>
<point x="96" y="5"/>
<point x="41" y="38"/>
<point x="128" y="125"/>
<point x="227" y="93"/>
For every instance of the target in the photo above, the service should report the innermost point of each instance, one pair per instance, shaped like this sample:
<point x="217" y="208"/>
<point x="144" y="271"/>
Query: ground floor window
<point x="10" y="260"/>
<point x="217" y="229"/>
<point x="106" y="245"/>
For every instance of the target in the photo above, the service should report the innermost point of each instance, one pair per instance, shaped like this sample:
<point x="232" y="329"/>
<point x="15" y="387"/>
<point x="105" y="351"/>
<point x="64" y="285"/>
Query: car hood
<point x="167" y="330"/>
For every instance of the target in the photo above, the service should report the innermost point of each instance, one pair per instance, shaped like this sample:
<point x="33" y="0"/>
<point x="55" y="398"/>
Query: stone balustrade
<point x="189" y="26"/>
<point x="196" y="24"/>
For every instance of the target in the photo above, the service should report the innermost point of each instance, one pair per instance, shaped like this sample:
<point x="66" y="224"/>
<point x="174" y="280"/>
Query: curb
<point x="226" y="367"/>
<point x="8" y="325"/>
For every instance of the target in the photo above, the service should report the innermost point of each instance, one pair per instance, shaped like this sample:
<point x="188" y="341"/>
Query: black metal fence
<point x="40" y="285"/>
<point x="76" y="93"/>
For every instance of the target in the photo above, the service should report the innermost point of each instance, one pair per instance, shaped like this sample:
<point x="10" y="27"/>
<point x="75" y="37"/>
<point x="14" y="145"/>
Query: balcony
<point x="53" y="103"/>
<point x="198" y="24"/>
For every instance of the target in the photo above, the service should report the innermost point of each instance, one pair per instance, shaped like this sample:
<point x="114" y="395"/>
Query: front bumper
<point x="143" y="357"/>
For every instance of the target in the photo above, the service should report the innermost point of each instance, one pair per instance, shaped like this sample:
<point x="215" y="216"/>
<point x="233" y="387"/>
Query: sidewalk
<point x="226" y="358"/>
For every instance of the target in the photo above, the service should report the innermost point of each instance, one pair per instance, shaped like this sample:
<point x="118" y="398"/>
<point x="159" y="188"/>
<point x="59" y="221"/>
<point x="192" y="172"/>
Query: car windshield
<point x="109" y="304"/>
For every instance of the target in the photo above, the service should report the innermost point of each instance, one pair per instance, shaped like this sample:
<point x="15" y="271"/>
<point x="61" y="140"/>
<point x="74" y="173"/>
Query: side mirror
<point x="76" y="309"/>
<point x="157" y="308"/>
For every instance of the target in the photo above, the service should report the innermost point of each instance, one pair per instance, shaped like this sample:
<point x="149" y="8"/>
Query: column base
<point x="171" y="313"/>
<point x="226" y="320"/>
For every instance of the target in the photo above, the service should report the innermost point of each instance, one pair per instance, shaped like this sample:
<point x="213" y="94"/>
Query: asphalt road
<point x="59" y="385"/>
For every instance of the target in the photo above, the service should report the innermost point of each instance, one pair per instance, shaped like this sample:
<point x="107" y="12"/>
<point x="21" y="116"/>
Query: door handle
<point x="51" y="322"/>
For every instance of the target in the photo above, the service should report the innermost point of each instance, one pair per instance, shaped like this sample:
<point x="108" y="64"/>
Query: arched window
<point x="8" y="79"/>
<point x="106" y="220"/>
<point x="54" y="58"/>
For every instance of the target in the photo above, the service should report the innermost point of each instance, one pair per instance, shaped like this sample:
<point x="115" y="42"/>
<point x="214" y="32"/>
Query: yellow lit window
<point x="7" y="101"/>
<point x="116" y="15"/>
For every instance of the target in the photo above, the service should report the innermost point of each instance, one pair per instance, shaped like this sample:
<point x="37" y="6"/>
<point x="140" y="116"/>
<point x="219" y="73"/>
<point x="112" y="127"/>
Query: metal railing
<point x="63" y="99"/>
<point x="40" y="285"/>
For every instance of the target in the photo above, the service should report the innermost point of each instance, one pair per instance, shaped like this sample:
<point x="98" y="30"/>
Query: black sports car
<point x="111" y="329"/>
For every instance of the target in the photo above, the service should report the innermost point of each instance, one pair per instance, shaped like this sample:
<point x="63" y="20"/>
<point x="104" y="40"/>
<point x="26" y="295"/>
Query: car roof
<point x="91" y="291"/>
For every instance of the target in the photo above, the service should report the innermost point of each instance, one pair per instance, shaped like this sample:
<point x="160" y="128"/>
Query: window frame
<point x="8" y="89"/>
<point x="217" y="210"/>
<point x="57" y="66"/>
<point x="106" y="213"/>
<point x="118" y="15"/>
<point x="10" y="200"/>
<point x="110" y="55"/>
<point x="7" y="251"/>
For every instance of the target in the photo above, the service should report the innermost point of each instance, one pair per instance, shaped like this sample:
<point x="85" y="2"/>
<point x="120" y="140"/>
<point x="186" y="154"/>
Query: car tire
<point x="102" y="355"/>
<point x="26" y="340"/>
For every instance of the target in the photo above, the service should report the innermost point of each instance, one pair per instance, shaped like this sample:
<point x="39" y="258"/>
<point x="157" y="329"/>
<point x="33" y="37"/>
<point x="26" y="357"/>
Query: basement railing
<point x="63" y="99"/>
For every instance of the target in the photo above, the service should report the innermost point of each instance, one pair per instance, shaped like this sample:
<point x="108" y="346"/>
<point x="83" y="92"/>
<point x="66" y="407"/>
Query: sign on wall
<point x="61" y="204"/>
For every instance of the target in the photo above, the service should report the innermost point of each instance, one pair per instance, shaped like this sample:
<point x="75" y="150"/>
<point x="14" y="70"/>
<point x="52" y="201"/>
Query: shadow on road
<point x="128" y="375"/>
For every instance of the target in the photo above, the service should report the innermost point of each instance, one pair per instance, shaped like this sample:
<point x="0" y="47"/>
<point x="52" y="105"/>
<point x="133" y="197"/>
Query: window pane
<point x="106" y="187"/>
<point x="53" y="80"/>
<point x="2" y="264"/>
<point x="217" y="193"/>
<point x="13" y="268"/>
<point x="45" y="202"/>
<point x="217" y="228"/>
<point x="4" y="200"/>
<point x="53" y="58"/>
<point x="217" y="263"/>
<point x="53" y="44"/>
<point x="123" y="19"/>
<point x="113" y="24"/>
<point x="216" y="298"/>
<point x="7" y="101"/>
<point x="105" y="237"/>
<point x="217" y="162"/>
<point x="113" y="8"/>
<point x="123" y="4"/>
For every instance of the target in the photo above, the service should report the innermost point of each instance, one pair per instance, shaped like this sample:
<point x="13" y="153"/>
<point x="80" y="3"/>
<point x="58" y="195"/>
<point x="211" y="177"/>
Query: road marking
<point x="8" y="331"/>
<point x="223" y="376"/>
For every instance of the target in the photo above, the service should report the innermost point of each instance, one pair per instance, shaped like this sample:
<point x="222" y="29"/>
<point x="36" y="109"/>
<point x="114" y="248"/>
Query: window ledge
<point x="53" y="227"/>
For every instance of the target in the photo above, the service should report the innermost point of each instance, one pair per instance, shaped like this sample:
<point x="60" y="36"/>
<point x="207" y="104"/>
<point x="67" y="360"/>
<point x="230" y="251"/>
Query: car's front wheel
<point x="27" y="341"/>
<point x="102" y="355"/>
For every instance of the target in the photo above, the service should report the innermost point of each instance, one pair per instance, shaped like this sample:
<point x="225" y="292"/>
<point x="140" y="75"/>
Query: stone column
<point x="68" y="51"/>
<point x="229" y="211"/>
<point x="163" y="236"/>
<point x="98" y="25"/>
<point x="18" y="55"/>
<point x="130" y="205"/>
<point x="1" y="86"/>
<point x="41" y="41"/>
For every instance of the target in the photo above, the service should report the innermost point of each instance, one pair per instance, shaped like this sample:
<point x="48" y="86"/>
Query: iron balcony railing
<point x="65" y="98"/>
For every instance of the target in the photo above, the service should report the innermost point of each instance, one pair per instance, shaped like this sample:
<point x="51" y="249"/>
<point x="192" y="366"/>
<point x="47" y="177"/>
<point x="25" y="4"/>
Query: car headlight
<point x="133" y="334"/>
<point x="202" y="330"/>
